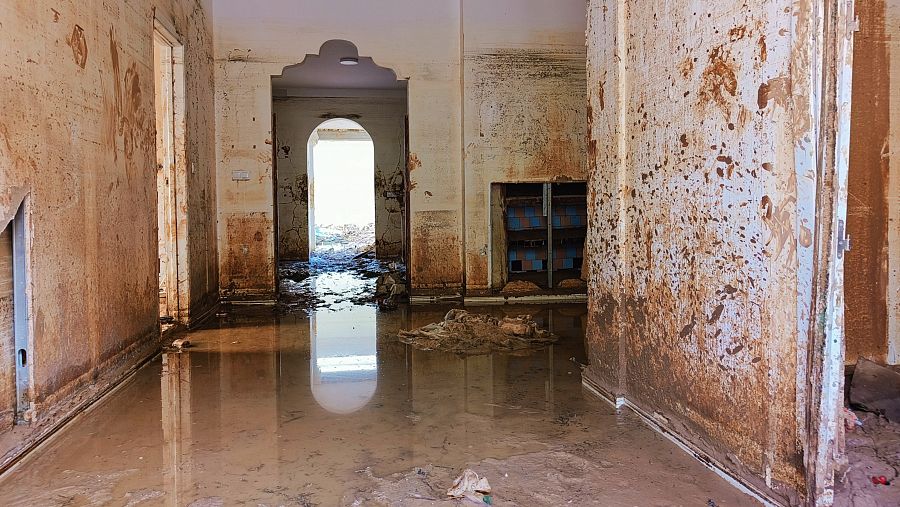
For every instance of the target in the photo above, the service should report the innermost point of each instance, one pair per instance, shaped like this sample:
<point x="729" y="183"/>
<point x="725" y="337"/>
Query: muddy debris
<point x="520" y="287"/>
<point x="467" y="333"/>
<point x="573" y="284"/>
<point x="323" y="282"/>
<point x="873" y="452"/>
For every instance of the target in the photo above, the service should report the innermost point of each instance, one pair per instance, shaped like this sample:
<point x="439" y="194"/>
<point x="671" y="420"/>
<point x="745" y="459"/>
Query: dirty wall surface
<point x="701" y="224"/>
<point x="525" y="101"/>
<point x="495" y="93"/>
<point x="295" y="120"/>
<point x="255" y="42"/>
<point x="873" y="308"/>
<point x="77" y="144"/>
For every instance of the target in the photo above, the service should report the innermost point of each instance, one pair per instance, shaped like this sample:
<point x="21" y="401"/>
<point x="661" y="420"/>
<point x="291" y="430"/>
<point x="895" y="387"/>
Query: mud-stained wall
<point x="77" y="144"/>
<point x="255" y="42"/>
<point x="702" y="199"/>
<point x="525" y="101"/>
<point x="496" y="93"/>
<point x="295" y="120"/>
<point x="872" y="142"/>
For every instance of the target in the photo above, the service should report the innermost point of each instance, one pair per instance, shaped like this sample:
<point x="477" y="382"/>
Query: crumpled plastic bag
<point x="470" y="485"/>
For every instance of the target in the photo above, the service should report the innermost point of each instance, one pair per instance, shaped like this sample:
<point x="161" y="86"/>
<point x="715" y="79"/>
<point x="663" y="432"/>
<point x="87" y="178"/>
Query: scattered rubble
<point x="872" y="438"/>
<point x="467" y="333"/>
<point x="321" y="282"/>
<point x="345" y="237"/>
<point x="873" y="451"/>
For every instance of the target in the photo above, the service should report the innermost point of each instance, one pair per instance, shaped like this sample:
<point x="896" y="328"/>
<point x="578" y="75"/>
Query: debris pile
<point x="872" y="425"/>
<point x="350" y="237"/>
<point x="467" y="333"/>
<point x="331" y="279"/>
<point x="520" y="287"/>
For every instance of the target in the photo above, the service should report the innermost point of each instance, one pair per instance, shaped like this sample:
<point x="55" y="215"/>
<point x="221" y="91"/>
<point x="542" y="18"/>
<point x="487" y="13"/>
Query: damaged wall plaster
<point x="525" y="108"/>
<point x="77" y="139"/>
<point x="702" y="206"/>
<point x="523" y="86"/>
<point x="382" y="116"/>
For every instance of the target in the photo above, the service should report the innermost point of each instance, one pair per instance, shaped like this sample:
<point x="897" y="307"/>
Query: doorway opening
<point x="168" y="69"/>
<point x="339" y="123"/>
<point x="14" y="329"/>
<point x="341" y="174"/>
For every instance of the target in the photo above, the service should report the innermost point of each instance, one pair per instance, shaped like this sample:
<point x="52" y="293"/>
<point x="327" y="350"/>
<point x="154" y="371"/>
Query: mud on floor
<point x="335" y="279"/>
<point x="873" y="451"/>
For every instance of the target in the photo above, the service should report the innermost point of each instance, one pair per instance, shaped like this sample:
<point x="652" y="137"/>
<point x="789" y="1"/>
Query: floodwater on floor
<point x="328" y="408"/>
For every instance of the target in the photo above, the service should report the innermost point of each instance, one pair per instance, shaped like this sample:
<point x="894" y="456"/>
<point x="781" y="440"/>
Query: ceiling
<point x="324" y="71"/>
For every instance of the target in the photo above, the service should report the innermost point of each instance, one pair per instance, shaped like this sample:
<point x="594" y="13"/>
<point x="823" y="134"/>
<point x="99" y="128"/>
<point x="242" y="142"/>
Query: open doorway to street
<point x="168" y="70"/>
<point x="339" y="123"/>
<point x="341" y="175"/>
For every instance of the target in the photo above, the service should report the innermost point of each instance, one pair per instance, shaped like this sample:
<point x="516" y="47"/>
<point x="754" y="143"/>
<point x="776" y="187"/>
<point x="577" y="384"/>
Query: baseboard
<point x="685" y="445"/>
<point x="522" y="300"/>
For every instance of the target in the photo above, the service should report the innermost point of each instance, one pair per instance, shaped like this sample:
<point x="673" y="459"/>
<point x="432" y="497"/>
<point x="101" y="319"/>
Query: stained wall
<point x="382" y="115"/>
<point x="873" y="220"/>
<point x="496" y="93"/>
<point x="525" y="108"/>
<point x="701" y="211"/>
<point x="77" y="145"/>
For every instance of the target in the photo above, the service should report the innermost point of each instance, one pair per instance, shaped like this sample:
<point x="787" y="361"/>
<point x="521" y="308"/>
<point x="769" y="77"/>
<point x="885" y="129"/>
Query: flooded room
<point x="449" y="253"/>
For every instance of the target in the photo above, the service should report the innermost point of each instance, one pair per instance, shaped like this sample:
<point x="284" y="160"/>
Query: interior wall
<point x="865" y="287"/>
<point x="702" y="207"/>
<point x="255" y="42"/>
<point x="525" y="107"/>
<point x="872" y="281"/>
<point x="295" y="120"/>
<point x="77" y="139"/>
<point x="523" y="112"/>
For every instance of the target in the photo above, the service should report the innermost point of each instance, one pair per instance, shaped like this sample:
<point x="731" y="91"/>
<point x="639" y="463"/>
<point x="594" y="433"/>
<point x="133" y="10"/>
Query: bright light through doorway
<point x="344" y="186"/>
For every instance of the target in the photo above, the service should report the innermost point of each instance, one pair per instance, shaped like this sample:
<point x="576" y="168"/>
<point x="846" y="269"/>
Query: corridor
<point x="271" y="410"/>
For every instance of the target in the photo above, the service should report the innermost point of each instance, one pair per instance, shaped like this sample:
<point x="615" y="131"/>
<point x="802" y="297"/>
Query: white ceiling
<point x="324" y="71"/>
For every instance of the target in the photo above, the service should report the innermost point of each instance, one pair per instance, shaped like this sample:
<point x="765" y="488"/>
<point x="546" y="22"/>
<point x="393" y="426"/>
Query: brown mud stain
<point x="718" y="80"/>
<point x="776" y="89"/>
<point x="686" y="67"/>
<point x="737" y="33"/>
<point x="78" y="44"/>
<point x="413" y="162"/>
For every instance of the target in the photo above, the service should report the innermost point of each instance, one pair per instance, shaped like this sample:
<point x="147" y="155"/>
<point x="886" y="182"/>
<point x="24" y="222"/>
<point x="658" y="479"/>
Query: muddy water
<point x="322" y="409"/>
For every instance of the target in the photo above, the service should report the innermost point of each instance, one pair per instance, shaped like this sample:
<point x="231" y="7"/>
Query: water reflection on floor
<point x="297" y="410"/>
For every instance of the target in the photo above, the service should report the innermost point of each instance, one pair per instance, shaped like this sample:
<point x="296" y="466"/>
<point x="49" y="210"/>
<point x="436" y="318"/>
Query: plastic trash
<point x="469" y="485"/>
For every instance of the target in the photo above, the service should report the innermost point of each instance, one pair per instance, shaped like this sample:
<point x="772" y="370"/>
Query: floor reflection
<point x="343" y="360"/>
<point x="297" y="410"/>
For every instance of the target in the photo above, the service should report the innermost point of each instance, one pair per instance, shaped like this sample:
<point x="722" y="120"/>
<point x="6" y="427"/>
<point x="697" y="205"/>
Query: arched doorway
<point x="340" y="85"/>
<point x="340" y="167"/>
